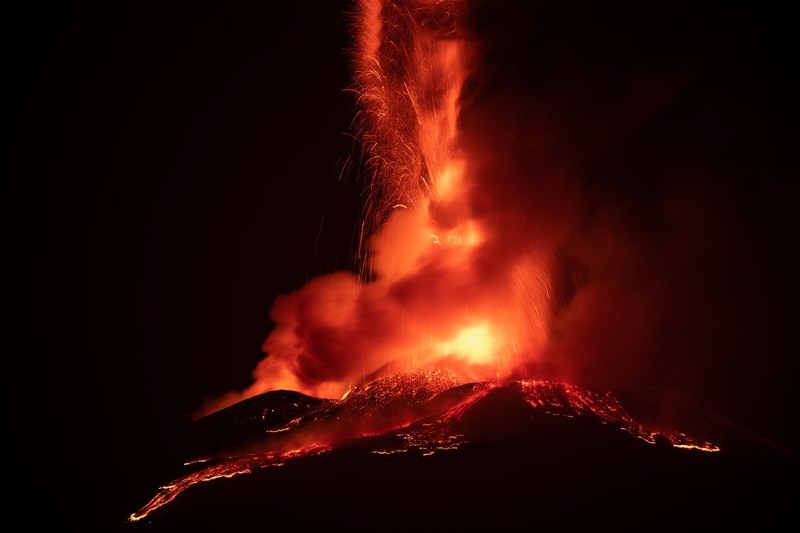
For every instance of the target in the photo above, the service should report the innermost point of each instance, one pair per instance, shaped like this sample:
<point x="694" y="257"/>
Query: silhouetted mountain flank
<point x="422" y="451"/>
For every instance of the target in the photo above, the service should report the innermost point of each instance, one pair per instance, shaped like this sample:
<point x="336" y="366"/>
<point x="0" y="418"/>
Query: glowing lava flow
<point x="227" y="468"/>
<point x="424" y="411"/>
<point x="563" y="399"/>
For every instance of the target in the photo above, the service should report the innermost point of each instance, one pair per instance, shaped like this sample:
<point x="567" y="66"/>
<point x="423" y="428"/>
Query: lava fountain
<point x="433" y="289"/>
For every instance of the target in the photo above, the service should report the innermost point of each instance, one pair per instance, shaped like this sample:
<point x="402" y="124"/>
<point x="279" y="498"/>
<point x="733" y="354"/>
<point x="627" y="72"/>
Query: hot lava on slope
<point x="423" y="412"/>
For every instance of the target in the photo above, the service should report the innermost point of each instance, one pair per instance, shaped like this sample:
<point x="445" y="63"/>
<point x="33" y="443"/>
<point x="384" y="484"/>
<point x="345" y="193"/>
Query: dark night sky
<point x="179" y="163"/>
<point x="174" y="166"/>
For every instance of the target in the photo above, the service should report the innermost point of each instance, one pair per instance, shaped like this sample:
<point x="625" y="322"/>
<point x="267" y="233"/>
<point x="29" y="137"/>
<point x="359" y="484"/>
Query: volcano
<point x="571" y="210"/>
<point x="423" y="450"/>
<point x="488" y="287"/>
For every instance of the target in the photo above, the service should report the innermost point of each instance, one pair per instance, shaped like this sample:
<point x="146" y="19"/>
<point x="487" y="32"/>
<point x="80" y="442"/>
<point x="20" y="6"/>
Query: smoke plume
<point x="547" y="198"/>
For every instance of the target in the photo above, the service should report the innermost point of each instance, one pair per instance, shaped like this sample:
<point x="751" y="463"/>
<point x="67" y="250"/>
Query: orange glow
<point x="428" y="298"/>
<point x="474" y="344"/>
<point x="449" y="179"/>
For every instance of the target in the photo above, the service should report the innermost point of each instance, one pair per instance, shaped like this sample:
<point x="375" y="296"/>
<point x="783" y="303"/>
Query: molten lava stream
<point x="228" y="468"/>
<point x="425" y="411"/>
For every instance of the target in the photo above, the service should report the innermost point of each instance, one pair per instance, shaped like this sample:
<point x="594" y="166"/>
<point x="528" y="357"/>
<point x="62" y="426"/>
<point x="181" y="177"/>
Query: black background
<point x="183" y="168"/>
<point x="174" y="169"/>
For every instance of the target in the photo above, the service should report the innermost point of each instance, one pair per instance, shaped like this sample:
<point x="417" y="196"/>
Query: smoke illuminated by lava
<point x="498" y="240"/>
<point x="441" y="285"/>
